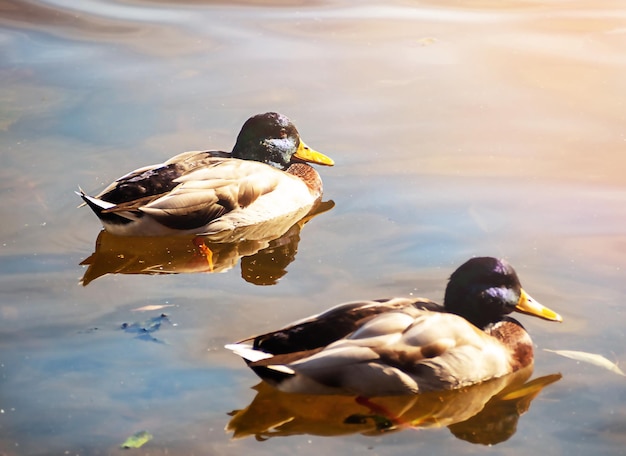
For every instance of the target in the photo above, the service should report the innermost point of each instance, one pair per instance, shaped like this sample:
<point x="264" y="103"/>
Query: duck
<point x="402" y="346"/>
<point x="265" y="177"/>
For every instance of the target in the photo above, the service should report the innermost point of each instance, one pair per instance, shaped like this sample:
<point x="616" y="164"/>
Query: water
<point x="458" y="129"/>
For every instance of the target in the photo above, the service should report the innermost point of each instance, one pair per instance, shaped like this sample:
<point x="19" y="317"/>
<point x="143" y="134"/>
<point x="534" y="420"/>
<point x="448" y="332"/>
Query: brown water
<point x="458" y="129"/>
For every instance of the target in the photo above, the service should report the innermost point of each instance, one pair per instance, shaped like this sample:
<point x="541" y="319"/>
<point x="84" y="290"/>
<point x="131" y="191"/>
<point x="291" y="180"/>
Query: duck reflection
<point x="486" y="413"/>
<point x="264" y="253"/>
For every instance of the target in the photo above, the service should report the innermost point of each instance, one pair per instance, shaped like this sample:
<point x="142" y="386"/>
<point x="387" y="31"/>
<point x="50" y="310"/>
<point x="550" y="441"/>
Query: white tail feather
<point x="282" y="368"/>
<point x="247" y="352"/>
<point x="96" y="201"/>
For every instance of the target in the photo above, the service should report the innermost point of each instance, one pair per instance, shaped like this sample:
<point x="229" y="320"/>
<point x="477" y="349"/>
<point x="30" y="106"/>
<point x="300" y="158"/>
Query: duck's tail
<point x="249" y="354"/>
<point x="260" y="363"/>
<point x="99" y="207"/>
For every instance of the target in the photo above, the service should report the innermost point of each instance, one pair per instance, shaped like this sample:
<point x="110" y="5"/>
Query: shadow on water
<point x="263" y="261"/>
<point x="486" y="413"/>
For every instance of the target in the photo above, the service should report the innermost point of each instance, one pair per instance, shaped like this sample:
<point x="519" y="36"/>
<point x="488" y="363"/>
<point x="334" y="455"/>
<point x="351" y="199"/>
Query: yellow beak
<point x="307" y="154"/>
<point x="528" y="305"/>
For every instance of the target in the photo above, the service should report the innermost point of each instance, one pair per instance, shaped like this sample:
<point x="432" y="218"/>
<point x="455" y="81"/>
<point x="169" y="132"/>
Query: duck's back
<point x="332" y="325"/>
<point x="151" y="181"/>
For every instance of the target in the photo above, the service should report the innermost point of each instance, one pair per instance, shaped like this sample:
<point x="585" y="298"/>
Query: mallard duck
<point x="264" y="178"/>
<point x="404" y="346"/>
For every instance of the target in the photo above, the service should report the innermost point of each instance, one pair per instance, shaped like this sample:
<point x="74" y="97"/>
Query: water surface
<point x="458" y="129"/>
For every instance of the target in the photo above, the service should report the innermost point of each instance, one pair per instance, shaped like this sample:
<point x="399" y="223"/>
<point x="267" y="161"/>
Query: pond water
<point x="458" y="129"/>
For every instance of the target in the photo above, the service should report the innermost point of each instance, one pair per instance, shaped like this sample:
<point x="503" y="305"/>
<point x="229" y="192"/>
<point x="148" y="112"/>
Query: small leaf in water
<point x="591" y="358"/>
<point x="137" y="440"/>
<point x="152" y="307"/>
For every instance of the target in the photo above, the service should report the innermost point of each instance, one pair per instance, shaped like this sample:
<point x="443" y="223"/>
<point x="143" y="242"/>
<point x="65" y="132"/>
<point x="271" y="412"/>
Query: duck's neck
<point x="276" y="152"/>
<point x="476" y="318"/>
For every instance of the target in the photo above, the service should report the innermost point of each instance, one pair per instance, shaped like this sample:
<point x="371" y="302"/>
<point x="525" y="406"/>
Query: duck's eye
<point x="283" y="133"/>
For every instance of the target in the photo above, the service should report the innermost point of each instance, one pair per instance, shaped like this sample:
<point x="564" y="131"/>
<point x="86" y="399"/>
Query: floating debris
<point x="591" y="358"/>
<point x="137" y="440"/>
<point x="145" y="329"/>
<point x="152" y="307"/>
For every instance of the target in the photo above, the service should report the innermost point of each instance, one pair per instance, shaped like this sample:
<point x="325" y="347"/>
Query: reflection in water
<point x="486" y="413"/>
<point x="263" y="262"/>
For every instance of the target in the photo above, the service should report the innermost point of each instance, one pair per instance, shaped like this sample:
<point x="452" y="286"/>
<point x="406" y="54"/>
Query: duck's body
<point x="263" y="179"/>
<point x="404" y="346"/>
